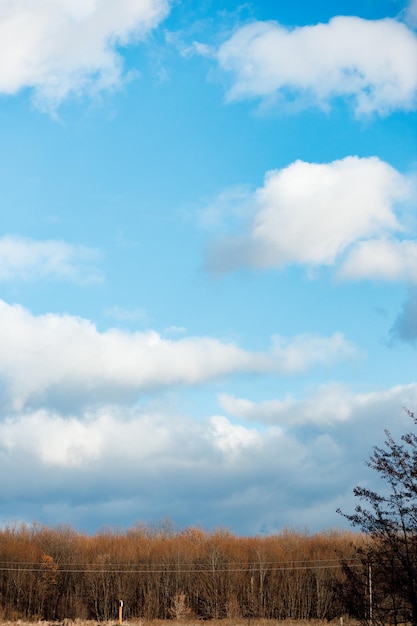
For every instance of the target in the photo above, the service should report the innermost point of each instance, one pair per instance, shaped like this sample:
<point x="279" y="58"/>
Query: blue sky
<point x="208" y="258"/>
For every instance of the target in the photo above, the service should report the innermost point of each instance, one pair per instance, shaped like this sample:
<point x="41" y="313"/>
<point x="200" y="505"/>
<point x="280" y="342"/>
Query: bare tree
<point x="384" y="589"/>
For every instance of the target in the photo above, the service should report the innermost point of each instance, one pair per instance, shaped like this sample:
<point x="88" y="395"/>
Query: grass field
<point x="225" y="622"/>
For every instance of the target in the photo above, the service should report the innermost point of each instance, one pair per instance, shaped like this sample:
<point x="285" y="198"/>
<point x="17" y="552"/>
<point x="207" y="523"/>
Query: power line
<point x="228" y="570"/>
<point x="230" y="564"/>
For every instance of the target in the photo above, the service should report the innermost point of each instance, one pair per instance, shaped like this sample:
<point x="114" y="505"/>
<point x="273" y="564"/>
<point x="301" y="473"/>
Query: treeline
<point x="160" y="573"/>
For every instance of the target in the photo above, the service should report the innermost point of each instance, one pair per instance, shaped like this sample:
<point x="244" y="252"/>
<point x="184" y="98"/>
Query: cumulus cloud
<point x="311" y="214"/>
<point x="69" y="442"/>
<point x="64" y="361"/>
<point x="81" y="441"/>
<point x="61" y="358"/>
<point x="62" y="47"/>
<point x="372" y="63"/>
<point x="382" y="259"/>
<point x="29" y="259"/>
<point x="233" y="438"/>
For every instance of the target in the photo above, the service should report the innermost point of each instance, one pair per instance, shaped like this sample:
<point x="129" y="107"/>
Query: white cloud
<point x="64" y="361"/>
<point x="81" y="441"/>
<point x="331" y="404"/>
<point x="304" y="351"/>
<point x="374" y="63"/>
<point x="233" y="438"/>
<point x="310" y="214"/>
<point x="29" y="259"/>
<point x="69" y="442"/>
<point x="63" y="47"/>
<point x="382" y="259"/>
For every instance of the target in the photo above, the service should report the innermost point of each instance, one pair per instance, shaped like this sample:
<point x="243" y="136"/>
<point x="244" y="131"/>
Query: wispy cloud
<point x="62" y="48"/>
<point x="302" y="352"/>
<point x="127" y="315"/>
<point x="29" y="259"/>
<point x="325" y="214"/>
<point x="226" y="208"/>
<point x="330" y="404"/>
<point x="372" y="63"/>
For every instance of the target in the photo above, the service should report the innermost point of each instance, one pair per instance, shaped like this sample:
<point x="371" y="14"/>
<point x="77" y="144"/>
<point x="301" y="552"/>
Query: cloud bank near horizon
<point x="123" y="455"/>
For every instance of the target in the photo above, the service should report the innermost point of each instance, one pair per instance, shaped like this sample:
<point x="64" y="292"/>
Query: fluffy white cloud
<point x="54" y="440"/>
<point x="29" y="259"/>
<point x="64" y="361"/>
<point x="82" y="441"/>
<point x="312" y="213"/>
<point x="382" y="259"/>
<point x="232" y="439"/>
<point x="60" y="47"/>
<point x="372" y="62"/>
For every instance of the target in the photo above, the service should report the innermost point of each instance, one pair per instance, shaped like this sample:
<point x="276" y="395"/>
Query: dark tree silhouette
<point x="384" y="588"/>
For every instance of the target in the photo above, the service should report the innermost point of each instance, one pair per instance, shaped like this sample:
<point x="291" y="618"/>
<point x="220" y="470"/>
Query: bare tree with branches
<point x="384" y="589"/>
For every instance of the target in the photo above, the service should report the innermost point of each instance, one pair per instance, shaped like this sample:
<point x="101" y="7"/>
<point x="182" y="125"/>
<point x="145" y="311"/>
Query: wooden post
<point x="371" y="617"/>
<point x="121" y="611"/>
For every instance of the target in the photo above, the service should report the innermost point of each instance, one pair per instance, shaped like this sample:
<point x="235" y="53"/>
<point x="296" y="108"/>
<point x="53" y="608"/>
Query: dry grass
<point x="225" y="622"/>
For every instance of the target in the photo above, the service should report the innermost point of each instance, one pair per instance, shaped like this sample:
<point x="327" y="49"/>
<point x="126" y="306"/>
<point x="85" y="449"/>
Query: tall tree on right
<point x="381" y="586"/>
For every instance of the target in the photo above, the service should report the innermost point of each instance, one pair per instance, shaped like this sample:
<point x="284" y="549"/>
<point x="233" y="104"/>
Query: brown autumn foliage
<point x="59" y="573"/>
<point x="193" y="622"/>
